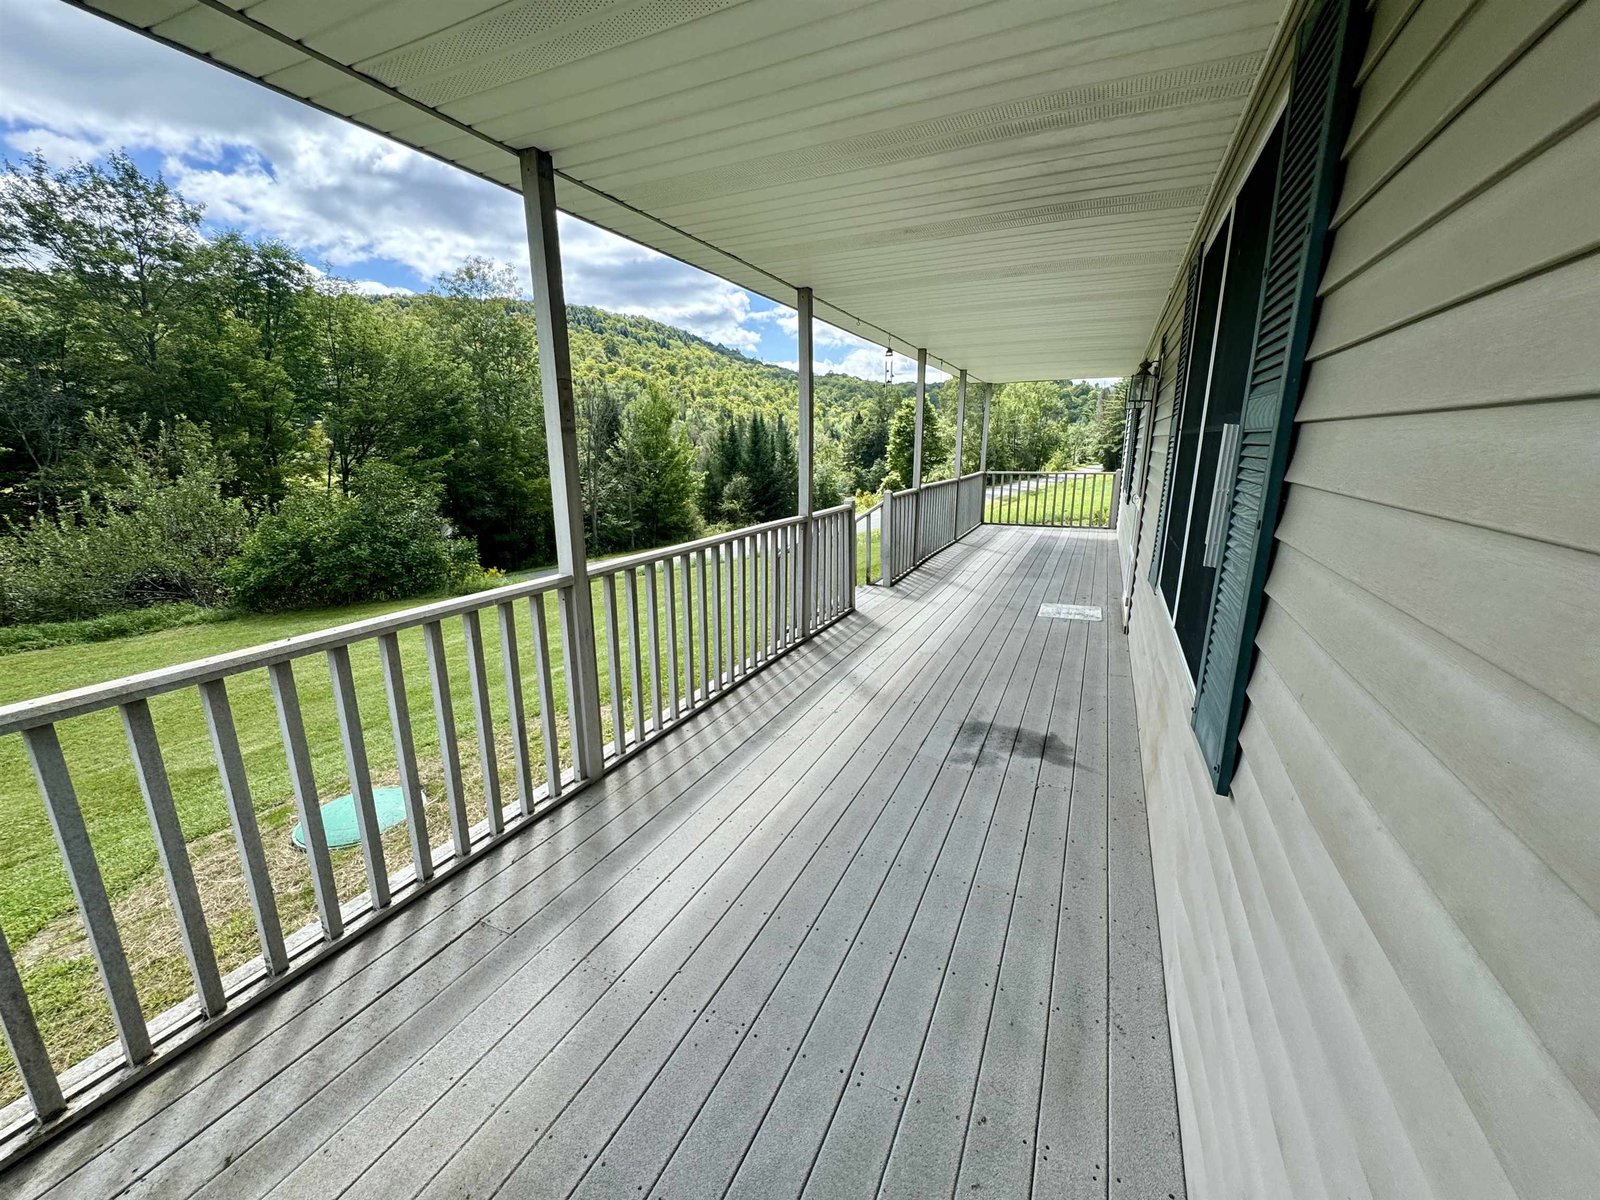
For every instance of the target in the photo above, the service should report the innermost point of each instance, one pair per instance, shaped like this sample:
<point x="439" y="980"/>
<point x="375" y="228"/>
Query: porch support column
<point x="561" y="450"/>
<point x="961" y="419"/>
<point x="916" y="446"/>
<point x="806" y="434"/>
<point x="916" y="460"/>
<point x="961" y="430"/>
<point x="983" y="444"/>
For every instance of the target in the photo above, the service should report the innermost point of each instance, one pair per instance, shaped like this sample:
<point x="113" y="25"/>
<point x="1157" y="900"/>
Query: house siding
<point x="1383" y="948"/>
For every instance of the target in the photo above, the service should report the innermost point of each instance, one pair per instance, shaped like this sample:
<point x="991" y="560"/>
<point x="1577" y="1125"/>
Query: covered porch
<point x="882" y="919"/>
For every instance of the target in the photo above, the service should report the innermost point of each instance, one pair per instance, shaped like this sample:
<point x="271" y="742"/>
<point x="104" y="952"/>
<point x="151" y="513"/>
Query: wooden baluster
<point x="292" y="729"/>
<point x="27" y="1047"/>
<point x="83" y="873"/>
<point x="449" y="751"/>
<point x="653" y="602"/>
<point x="516" y="712"/>
<point x="355" y="760"/>
<point x="173" y="854"/>
<point x="702" y="613"/>
<point x="547" y="697"/>
<point x="394" y="691"/>
<point x="242" y="814"/>
<point x="630" y="596"/>
<point x="478" y="688"/>
<point x="672" y="633"/>
<point x="608" y="590"/>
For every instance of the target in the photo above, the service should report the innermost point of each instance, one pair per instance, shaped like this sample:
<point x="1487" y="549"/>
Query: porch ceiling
<point x="1008" y="183"/>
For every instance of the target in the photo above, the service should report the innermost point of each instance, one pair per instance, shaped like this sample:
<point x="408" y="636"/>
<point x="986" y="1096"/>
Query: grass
<point x="868" y="548"/>
<point x="1080" y="499"/>
<point x="43" y="635"/>
<point x="37" y="910"/>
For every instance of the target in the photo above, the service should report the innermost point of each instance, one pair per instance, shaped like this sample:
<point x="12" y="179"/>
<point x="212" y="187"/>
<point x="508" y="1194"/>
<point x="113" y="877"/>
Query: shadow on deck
<point x="882" y="920"/>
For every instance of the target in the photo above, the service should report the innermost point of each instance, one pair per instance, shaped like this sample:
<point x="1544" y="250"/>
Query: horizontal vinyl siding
<point x="1383" y="949"/>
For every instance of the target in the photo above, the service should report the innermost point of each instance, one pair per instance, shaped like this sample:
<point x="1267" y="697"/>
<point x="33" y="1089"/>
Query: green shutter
<point x="1315" y="123"/>
<point x="1191" y="300"/>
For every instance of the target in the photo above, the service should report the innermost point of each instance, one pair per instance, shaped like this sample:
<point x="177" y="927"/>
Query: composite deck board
<point x="555" y="928"/>
<point x="826" y="889"/>
<point x="722" y="1126"/>
<point x="881" y="919"/>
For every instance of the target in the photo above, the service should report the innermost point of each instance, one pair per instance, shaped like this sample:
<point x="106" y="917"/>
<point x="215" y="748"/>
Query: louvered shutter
<point x="1180" y="387"/>
<point x="1315" y="123"/>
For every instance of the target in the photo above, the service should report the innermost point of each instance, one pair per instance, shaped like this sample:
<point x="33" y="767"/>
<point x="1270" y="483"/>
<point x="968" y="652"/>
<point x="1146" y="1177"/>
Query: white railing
<point x="918" y="522"/>
<point x="898" y="521"/>
<point x="714" y="612"/>
<point x="741" y="607"/>
<point x="915" y="524"/>
<point x="936" y="517"/>
<point x="969" y="503"/>
<point x="1062" y="499"/>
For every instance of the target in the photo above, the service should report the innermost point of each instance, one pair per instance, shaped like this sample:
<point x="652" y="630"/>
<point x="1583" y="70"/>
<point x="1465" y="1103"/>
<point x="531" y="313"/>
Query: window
<point x="1224" y="395"/>
<point x="1248" y="314"/>
<point x="1190" y="414"/>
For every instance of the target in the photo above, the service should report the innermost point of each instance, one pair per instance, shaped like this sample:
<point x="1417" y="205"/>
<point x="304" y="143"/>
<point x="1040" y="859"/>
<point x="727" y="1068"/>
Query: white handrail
<point x="739" y="595"/>
<point x="59" y="706"/>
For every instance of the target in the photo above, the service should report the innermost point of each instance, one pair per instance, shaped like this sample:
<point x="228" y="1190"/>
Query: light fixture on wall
<point x="1141" y="392"/>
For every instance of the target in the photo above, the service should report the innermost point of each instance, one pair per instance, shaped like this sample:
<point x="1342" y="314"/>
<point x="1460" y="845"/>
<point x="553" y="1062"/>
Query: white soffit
<point x="1008" y="183"/>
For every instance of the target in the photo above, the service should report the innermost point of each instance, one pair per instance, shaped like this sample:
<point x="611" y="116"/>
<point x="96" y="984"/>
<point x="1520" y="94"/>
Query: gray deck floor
<point x="880" y="922"/>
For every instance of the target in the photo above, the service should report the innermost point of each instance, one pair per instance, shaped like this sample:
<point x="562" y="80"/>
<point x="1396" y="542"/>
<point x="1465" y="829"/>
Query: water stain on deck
<point x="983" y="740"/>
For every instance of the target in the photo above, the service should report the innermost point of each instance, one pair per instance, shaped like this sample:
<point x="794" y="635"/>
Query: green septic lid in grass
<point x="339" y="817"/>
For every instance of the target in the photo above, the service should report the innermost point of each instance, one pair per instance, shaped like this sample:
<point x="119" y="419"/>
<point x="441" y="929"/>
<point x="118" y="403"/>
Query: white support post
<point x="983" y="442"/>
<point x="916" y="459"/>
<point x="807" y="431"/>
<point x="916" y="447"/>
<point x="885" y="534"/>
<point x="961" y="431"/>
<point x="561" y="449"/>
<point x="961" y="421"/>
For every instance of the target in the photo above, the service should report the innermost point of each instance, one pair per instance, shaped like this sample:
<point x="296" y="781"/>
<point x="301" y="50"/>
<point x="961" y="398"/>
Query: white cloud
<point x="77" y="87"/>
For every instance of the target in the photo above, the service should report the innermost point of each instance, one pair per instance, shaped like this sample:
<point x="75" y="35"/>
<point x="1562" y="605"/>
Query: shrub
<point x="385" y="541"/>
<point x="161" y="535"/>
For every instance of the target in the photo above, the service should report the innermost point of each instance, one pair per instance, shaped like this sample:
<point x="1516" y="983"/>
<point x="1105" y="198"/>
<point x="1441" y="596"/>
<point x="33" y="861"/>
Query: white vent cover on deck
<point x="1071" y="612"/>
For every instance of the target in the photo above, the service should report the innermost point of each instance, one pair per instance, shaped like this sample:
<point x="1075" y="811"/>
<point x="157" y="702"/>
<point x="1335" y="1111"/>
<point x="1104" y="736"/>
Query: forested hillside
<point x="190" y="415"/>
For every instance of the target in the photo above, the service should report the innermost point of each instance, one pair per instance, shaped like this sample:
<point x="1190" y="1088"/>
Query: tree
<point x="599" y="416"/>
<point x="124" y="256"/>
<point x="1026" y="423"/>
<point x="902" y="444"/>
<point x="380" y="385"/>
<point x="114" y="300"/>
<point x="1110" y="426"/>
<point x="497" y="484"/>
<point x="656" y="487"/>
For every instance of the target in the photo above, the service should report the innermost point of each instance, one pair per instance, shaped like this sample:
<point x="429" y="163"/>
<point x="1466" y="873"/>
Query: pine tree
<point x="653" y="481"/>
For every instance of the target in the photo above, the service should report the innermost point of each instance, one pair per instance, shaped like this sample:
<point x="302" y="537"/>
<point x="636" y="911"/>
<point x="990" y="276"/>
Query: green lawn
<point x="36" y="907"/>
<point x="1083" y="500"/>
<point x="868" y="543"/>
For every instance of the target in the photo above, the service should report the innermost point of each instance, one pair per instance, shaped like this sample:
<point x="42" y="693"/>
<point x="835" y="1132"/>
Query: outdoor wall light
<point x="1141" y="391"/>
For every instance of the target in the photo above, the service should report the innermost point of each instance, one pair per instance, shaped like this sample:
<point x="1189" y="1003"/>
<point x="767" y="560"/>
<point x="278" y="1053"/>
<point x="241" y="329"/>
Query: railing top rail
<point x="644" y="558"/>
<point x="27" y="714"/>
<point x="847" y="506"/>
<point x="1073" y="471"/>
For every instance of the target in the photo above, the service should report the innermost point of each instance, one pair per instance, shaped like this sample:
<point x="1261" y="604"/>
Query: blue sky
<point x="355" y="204"/>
